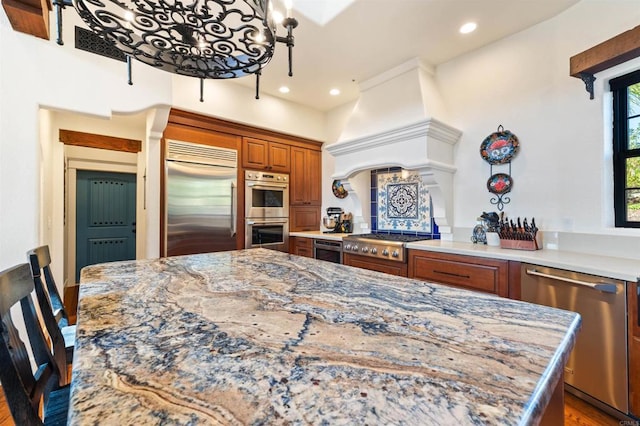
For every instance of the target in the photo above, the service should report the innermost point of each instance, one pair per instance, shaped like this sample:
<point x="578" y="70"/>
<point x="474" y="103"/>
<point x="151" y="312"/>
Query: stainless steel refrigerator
<point x="201" y="198"/>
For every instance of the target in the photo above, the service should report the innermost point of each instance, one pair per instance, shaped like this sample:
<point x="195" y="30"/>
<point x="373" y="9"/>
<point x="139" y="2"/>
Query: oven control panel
<point x="251" y="175"/>
<point x="378" y="250"/>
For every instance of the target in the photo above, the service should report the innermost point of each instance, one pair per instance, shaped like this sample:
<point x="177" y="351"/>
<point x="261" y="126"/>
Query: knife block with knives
<point x="520" y="235"/>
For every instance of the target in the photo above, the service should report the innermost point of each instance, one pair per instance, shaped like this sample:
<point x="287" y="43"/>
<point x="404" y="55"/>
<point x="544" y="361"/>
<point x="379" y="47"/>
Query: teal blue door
<point x="105" y="218"/>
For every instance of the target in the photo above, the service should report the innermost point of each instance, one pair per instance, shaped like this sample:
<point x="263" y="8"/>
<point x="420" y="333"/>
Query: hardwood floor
<point x="5" y="415"/>
<point x="580" y="413"/>
<point x="576" y="413"/>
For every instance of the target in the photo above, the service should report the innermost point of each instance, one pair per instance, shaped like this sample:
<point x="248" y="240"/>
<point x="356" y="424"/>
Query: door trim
<point x="72" y="166"/>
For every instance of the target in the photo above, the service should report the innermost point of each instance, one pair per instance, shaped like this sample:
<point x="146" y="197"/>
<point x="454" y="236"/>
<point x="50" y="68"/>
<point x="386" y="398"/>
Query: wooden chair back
<point x="40" y="260"/>
<point x="23" y="388"/>
<point x="51" y="308"/>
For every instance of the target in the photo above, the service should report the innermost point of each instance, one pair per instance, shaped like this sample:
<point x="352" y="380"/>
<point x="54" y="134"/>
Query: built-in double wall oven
<point x="267" y="210"/>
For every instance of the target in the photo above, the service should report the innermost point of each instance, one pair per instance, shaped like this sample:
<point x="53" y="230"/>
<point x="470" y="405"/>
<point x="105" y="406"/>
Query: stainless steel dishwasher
<point x="597" y="367"/>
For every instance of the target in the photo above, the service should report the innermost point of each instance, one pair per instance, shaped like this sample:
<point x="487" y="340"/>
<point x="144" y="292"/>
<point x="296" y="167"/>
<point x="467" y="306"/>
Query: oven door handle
<point x="269" y="186"/>
<point x="267" y="221"/>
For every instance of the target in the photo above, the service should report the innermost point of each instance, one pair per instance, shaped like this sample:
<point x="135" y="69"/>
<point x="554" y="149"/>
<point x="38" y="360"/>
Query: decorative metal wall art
<point x="498" y="149"/>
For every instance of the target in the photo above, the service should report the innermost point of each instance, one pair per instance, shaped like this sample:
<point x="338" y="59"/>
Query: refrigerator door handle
<point x="234" y="198"/>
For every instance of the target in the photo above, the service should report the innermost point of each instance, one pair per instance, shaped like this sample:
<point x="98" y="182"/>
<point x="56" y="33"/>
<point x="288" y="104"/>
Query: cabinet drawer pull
<point x="453" y="274"/>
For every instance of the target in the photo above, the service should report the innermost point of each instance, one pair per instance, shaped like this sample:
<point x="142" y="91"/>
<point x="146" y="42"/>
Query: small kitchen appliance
<point x="337" y="221"/>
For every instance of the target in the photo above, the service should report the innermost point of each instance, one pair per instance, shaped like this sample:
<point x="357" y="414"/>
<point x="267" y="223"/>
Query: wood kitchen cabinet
<point x="304" y="218"/>
<point x="262" y="149"/>
<point x="634" y="348"/>
<point x="301" y="246"/>
<point x="374" y="264"/>
<point x="470" y="272"/>
<point x="258" y="154"/>
<point x="306" y="170"/>
<point x="305" y="189"/>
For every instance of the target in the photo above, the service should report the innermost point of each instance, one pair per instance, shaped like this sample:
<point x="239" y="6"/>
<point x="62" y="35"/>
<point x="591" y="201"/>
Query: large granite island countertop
<point x="263" y="337"/>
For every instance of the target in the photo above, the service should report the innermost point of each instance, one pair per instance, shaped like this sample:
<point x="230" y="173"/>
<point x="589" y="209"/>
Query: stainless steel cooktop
<point x="381" y="246"/>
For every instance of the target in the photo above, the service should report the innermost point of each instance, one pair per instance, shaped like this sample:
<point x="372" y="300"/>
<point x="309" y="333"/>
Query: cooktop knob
<point x="365" y="249"/>
<point x="355" y="247"/>
<point x="374" y="251"/>
<point x="385" y="252"/>
<point x="395" y="253"/>
<point x="347" y="247"/>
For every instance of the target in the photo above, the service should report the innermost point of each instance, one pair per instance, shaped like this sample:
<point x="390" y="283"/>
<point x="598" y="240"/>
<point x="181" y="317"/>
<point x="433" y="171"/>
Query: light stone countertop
<point x="607" y="266"/>
<point x="610" y="267"/>
<point x="319" y="235"/>
<point x="264" y="337"/>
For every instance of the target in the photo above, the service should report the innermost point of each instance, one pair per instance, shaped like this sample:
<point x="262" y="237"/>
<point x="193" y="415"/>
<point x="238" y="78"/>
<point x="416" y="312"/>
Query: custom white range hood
<point x="393" y="124"/>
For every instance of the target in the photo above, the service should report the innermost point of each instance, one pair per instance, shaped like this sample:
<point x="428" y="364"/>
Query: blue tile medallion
<point x="403" y="202"/>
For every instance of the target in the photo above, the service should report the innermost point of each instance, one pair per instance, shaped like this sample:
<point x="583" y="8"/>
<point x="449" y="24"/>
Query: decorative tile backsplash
<point x="400" y="203"/>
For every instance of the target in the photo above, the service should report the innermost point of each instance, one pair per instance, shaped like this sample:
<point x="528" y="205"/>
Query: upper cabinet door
<point x="279" y="157"/>
<point x="259" y="154"/>
<point x="305" y="182"/>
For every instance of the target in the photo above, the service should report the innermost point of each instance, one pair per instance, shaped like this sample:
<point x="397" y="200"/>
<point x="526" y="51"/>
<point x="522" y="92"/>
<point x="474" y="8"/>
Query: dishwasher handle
<point x="603" y="287"/>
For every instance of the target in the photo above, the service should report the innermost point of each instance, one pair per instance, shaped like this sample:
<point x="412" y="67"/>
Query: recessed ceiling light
<point x="334" y="92"/>
<point x="469" y="27"/>
<point x="284" y="89"/>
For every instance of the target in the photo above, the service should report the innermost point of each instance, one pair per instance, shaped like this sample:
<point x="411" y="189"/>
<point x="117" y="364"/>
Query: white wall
<point x="562" y="174"/>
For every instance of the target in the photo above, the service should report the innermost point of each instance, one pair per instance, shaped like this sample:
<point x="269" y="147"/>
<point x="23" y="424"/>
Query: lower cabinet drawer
<point x="301" y="246"/>
<point x="379" y="265"/>
<point x="474" y="273"/>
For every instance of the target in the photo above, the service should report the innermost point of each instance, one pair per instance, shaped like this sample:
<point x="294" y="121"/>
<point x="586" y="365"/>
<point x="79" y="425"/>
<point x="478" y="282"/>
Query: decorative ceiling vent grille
<point x="91" y="42"/>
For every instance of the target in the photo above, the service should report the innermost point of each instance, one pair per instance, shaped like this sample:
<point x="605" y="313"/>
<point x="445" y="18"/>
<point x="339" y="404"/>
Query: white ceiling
<point x="369" y="37"/>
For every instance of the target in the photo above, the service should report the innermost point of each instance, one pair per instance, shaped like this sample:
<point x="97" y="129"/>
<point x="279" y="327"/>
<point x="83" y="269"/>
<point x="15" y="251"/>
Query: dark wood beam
<point x="616" y="50"/>
<point x="607" y="54"/>
<point x="90" y="140"/>
<point x="29" y="16"/>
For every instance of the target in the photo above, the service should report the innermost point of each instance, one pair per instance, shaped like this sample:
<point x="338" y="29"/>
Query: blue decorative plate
<point x="499" y="147"/>
<point x="338" y="189"/>
<point x="499" y="183"/>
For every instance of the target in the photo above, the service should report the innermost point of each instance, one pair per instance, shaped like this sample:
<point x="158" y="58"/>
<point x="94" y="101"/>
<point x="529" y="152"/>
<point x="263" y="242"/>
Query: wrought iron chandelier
<point x="217" y="39"/>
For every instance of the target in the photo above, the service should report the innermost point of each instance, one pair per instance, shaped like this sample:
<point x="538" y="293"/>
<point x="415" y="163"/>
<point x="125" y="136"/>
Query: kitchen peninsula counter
<point x="263" y="337"/>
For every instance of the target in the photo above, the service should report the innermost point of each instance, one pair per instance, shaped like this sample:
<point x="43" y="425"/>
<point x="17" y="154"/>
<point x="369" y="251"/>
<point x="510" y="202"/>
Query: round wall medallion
<point x="338" y="189"/>
<point x="499" y="147"/>
<point x="499" y="183"/>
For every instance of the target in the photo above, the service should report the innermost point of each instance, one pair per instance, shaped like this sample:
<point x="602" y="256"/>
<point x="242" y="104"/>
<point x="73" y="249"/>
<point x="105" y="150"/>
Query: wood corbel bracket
<point x="616" y="50"/>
